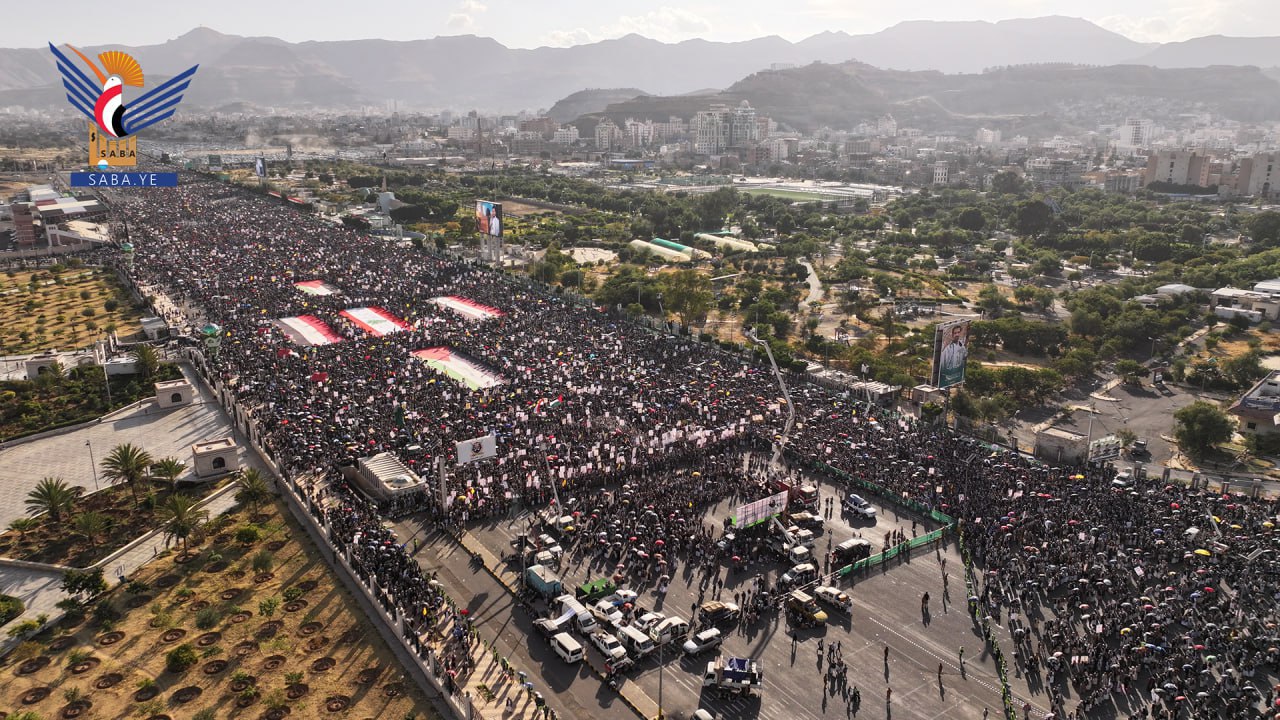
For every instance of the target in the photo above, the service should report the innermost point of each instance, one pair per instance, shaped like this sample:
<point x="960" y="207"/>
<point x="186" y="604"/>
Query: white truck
<point x="739" y="675"/>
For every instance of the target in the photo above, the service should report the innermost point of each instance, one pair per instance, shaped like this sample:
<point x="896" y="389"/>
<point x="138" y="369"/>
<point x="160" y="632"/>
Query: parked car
<point x="799" y="575"/>
<point x="622" y="597"/>
<point x="834" y="597"/>
<point x="1139" y="448"/>
<point x="647" y="621"/>
<point x="806" y="520"/>
<point x="547" y="627"/>
<point x="706" y="640"/>
<point x="606" y="612"/>
<point x="856" y="505"/>
<point x="608" y="645"/>
<point x="716" y="612"/>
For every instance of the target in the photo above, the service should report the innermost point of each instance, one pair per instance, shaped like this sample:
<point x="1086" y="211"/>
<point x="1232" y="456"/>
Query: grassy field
<point x="63" y="308"/>
<point x="789" y="194"/>
<point x="267" y="631"/>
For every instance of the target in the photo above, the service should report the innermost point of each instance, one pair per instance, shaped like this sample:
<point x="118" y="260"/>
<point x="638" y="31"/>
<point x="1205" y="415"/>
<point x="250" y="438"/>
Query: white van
<point x="582" y="619"/>
<point x="673" y="629"/>
<point x="569" y="649"/>
<point x="637" y="643"/>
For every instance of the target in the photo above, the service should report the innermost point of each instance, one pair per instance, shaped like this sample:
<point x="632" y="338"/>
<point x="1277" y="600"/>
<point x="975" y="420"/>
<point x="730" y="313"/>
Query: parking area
<point x="886" y="612"/>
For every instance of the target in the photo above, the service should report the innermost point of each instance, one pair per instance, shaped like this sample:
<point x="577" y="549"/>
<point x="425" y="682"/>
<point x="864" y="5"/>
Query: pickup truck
<point x="856" y="505"/>
<point x="733" y="673"/>
<point x="608" y="645"/>
<point x="835" y="598"/>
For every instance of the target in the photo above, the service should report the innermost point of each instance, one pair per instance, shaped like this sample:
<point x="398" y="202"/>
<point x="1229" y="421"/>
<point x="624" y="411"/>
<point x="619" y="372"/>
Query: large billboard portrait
<point x="489" y="218"/>
<point x="950" y="351"/>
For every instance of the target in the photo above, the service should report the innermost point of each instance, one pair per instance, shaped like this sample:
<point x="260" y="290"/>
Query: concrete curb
<point x="153" y="534"/>
<point x="28" y="565"/>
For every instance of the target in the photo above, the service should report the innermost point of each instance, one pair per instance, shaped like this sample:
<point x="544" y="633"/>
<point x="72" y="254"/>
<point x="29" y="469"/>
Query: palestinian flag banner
<point x="316" y="287"/>
<point x="469" y="309"/>
<point x="375" y="321"/>
<point x="463" y="371"/>
<point x="307" y="330"/>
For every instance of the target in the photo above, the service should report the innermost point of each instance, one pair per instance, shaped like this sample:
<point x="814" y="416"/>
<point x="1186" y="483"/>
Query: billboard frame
<point x="948" y="369"/>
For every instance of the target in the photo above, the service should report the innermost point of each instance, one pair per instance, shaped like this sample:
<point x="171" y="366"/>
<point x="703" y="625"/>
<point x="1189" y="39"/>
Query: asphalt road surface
<point x="887" y="612"/>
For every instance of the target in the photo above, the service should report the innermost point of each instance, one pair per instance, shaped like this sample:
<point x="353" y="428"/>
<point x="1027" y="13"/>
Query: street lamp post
<point x="786" y="395"/>
<point x="93" y="464"/>
<point x="662" y="669"/>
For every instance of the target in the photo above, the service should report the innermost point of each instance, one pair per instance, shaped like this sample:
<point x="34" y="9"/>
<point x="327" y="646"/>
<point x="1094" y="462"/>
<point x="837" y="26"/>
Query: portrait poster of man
<point x="489" y="218"/>
<point x="951" y="350"/>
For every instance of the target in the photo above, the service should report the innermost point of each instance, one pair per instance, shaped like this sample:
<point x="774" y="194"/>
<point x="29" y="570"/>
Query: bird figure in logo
<point x="105" y="106"/>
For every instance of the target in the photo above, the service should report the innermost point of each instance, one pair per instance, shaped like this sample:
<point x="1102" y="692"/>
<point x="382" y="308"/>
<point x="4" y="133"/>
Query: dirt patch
<point x="50" y="310"/>
<point x="129" y="669"/>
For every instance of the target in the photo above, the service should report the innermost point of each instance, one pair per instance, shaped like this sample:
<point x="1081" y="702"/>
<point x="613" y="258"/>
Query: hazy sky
<point x="533" y="23"/>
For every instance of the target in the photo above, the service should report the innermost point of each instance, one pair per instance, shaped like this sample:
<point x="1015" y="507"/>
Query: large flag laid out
<point x="469" y="309"/>
<point x="481" y="448"/>
<point x="316" y="287"/>
<point x="462" y="370"/>
<point x="375" y="320"/>
<point x="308" y="330"/>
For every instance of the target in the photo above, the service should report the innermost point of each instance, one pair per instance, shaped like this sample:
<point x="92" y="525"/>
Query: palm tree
<point x="144" y="358"/>
<point x="23" y="525"/>
<point x="127" y="464"/>
<point x="252" y="488"/>
<point x="91" y="524"/>
<point x="169" y="469"/>
<point x="182" y="518"/>
<point x="53" y="496"/>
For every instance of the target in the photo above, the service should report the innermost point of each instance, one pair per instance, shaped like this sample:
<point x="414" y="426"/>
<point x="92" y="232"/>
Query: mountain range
<point x="1028" y="99"/>
<point x="463" y="72"/>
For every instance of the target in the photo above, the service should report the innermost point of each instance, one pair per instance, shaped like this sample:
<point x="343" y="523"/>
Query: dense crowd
<point x="1152" y="601"/>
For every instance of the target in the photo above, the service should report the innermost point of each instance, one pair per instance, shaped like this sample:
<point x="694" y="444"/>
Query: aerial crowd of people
<point x="1150" y="600"/>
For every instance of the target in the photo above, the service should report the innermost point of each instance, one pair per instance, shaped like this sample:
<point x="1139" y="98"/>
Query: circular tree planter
<point x="35" y="695"/>
<point x="337" y="703"/>
<point x="310" y="629"/>
<point x="159" y="717"/>
<point x="213" y="667"/>
<point x="244" y="648"/>
<point x="146" y="693"/>
<point x="186" y="694"/>
<point x="231" y="594"/>
<point x="109" y="680"/>
<point x="349" y="637"/>
<point x="216" y="567"/>
<point x="246" y="699"/>
<point x="208" y="639"/>
<point x="199" y="605"/>
<point x="316" y="643"/>
<point x="275" y="662"/>
<point x="323" y="664"/>
<point x="295" y="605"/>
<point x="221" y="539"/>
<point x="110" y="638"/>
<point x="32" y="665"/>
<point x="59" y="644"/>
<point x="173" y="635"/>
<point x="276" y="545"/>
<point x="165" y="582"/>
<point x="295" y="691"/>
<point x="235" y="574"/>
<point x="276" y="713"/>
<point x="137" y="601"/>
<point x="185" y="558"/>
<point x="263" y="577"/>
<point x="240" y="617"/>
<point x="307" y="586"/>
<point x="85" y="666"/>
<point x="242" y="684"/>
<point x="76" y="709"/>
<point x="268" y="629"/>
<point x="368" y="675"/>
<point x="393" y="689"/>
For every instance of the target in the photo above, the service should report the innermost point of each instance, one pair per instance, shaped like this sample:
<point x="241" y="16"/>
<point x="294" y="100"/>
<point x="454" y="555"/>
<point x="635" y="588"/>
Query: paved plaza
<point x="162" y="433"/>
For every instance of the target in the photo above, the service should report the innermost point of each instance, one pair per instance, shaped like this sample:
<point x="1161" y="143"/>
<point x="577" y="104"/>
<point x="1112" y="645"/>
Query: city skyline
<point x="573" y="22"/>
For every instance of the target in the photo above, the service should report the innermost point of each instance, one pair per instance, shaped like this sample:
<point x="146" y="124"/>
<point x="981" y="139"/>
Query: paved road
<point x="815" y="285"/>
<point x="162" y="433"/>
<point x="571" y="690"/>
<point x="887" y="611"/>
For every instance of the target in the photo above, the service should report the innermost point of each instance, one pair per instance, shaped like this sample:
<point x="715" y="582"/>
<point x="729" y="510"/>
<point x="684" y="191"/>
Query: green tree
<point x="144" y="357"/>
<point x="52" y="496"/>
<point x="1031" y="218"/>
<point x="87" y="583"/>
<point x="128" y="464"/>
<point x="91" y="525"/>
<point x="1264" y="227"/>
<point x="687" y="293"/>
<point x="971" y="219"/>
<point x="182" y="518"/>
<point x="168" y="469"/>
<point x="1007" y="183"/>
<point x="1200" y="426"/>
<point x="252" y="489"/>
<point x="1129" y="369"/>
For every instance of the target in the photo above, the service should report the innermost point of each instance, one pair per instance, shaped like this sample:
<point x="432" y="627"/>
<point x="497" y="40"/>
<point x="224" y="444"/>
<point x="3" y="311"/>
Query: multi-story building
<point x="24" y="225"/>
<point x="608" y="136"/>
<point x="1258" y="175"/>
<point x="1054" y="172"/>
<point x="1177" y="167"/>
<point x="1135" y="133"/>
<point x="567" y="135"/>
<point x="940" y="171"/>
<point x="721" y="127"/>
